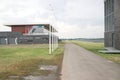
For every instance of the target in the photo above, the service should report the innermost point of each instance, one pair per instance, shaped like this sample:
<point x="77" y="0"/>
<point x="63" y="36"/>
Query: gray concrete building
<point x="112" y="23"/>
<point x="19" y="38"/>
<point x="29" y="34"/>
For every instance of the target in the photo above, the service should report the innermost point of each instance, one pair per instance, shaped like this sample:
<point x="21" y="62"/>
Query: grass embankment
<point x="95" y="47"/>
<point x="21" y="60"/>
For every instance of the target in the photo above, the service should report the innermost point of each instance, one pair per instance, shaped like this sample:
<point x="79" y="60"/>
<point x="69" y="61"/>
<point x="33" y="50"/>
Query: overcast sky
<point x="72" y="18"/>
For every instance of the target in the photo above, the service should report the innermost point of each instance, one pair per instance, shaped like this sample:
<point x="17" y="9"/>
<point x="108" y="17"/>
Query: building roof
<point x="46" y="26"/>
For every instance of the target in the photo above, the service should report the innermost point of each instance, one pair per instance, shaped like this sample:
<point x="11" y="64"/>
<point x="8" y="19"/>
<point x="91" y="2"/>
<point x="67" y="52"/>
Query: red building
<point x="31" y="28"/>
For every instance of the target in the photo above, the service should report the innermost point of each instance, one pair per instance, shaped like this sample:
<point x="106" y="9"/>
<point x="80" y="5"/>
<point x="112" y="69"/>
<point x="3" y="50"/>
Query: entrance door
<point x="113" y="40"/>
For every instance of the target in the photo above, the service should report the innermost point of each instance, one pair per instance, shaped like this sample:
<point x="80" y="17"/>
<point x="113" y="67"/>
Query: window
<point x="37" y="37"/>
<point x="109" y="15"/>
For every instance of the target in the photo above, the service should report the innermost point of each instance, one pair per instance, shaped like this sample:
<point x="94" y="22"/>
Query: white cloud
<point x="73" y="31"/>
<point x="4" y="28"/>
<point x="75" y="18"/>
<point x="84" y="9"/>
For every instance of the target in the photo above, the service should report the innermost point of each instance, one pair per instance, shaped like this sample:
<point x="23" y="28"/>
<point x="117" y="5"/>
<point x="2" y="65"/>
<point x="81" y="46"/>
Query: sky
<point x="72" y="18"/>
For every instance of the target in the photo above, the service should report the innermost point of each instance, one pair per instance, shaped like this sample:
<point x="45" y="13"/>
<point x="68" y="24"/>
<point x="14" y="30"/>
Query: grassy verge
<point x="95" y="47"/>
<point x="21" y="60"/>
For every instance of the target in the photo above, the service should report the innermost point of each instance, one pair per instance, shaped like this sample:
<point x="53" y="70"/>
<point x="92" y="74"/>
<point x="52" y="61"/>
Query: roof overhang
<point x="46" y="26"/>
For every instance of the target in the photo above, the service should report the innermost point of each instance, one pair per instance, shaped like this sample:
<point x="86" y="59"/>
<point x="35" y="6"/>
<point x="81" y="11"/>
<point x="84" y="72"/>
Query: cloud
<point x="20" y="10"/>
<point x="73" y="31"/>
<point x="87" y="11"/>
<point x="72" y="18"/>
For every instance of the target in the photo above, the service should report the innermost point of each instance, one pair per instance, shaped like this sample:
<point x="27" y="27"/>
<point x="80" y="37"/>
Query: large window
<point x="109" y="15"/>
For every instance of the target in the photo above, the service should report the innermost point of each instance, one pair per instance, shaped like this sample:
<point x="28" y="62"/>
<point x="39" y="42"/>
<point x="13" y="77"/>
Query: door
<point x="113" y="40"/>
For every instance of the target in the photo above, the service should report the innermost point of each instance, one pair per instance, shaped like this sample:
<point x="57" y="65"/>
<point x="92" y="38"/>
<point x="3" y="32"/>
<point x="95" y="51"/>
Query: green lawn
<point x="22" y="59"/>
<point x="95" y="47"/>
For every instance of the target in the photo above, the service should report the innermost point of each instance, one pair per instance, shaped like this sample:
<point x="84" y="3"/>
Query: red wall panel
<point x="22" y="29"/>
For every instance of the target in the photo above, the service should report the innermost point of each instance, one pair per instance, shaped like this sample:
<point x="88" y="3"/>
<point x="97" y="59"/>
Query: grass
<point x="21" y="60"/>
<point x="95" y="47"/>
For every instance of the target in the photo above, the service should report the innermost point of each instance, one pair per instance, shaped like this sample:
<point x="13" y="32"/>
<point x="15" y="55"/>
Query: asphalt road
<point x="80" y="64"/>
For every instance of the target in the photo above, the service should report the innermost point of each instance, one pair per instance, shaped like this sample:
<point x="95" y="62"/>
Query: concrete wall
<point x="9" y="37"/>
<point x="2" y="41"/>
<point x="18" y="38"/>
<point x="10" y="34"/>
<point x="112" y="38"/>
<point x="117" y="23"/>
<point x="33" y="39"/>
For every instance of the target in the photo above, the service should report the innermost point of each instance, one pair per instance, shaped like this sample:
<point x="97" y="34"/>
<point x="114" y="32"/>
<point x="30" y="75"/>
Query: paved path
<point x="80" y="64"/>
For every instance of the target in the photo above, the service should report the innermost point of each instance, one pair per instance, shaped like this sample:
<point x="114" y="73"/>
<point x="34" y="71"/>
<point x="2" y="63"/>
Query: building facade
<point x="112" y="23"/>
<point x="29" y="34"/>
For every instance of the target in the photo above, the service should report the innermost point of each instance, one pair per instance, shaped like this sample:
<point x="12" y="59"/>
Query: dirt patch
<point x="49" y="67"/>
<point x="44" y="72"/>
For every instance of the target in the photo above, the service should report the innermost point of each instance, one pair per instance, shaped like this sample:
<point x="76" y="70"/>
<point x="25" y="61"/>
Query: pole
<point x="50" y="40"/>
<point x="6" y="40"/>
<point x="16" y="42"/>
